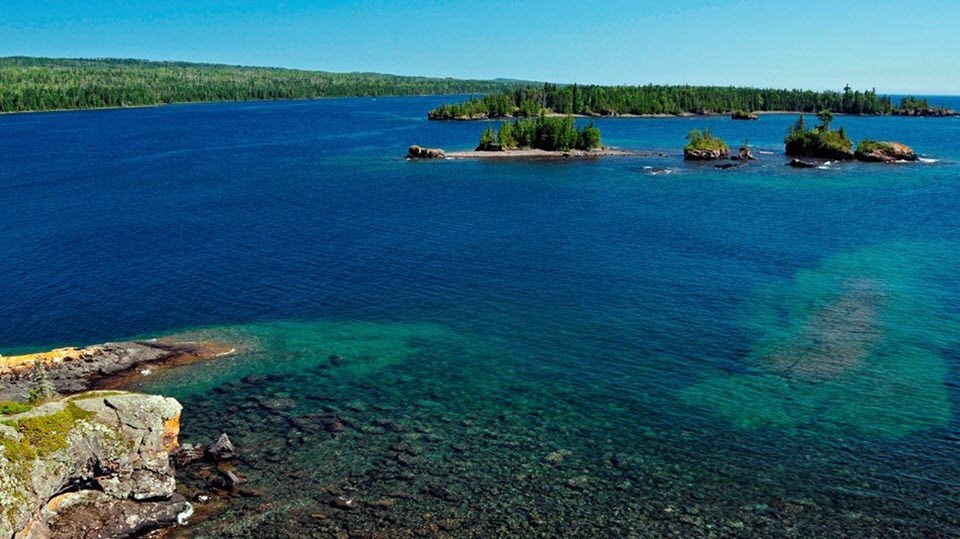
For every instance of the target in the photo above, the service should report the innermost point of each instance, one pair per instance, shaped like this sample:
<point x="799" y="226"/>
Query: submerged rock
<point x="797" y="163"/>
<point x="110" y="451"/>
<point x="345" y="502"/>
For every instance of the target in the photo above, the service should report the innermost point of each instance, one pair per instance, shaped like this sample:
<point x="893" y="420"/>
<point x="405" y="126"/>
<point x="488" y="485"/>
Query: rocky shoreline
<point x="95" y="463"/>
<point x="72" y="370"/>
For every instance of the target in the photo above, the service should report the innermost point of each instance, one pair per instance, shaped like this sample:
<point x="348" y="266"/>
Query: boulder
<point x="419" y="152"/>
<point x="744" y="155"/>
<point x="706" y="155"/>
<point x="884" y="152"/>
<point x="109" y="450"/>
<point x="801" y="164"/>
<point x="222" y="449"/>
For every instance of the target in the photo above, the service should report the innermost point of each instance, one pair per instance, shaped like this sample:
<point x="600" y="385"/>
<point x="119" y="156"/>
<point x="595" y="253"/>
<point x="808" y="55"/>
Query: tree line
<point x="35" y="84"/>
<point x="543" y="133"/>
<point x="529" y="101"/>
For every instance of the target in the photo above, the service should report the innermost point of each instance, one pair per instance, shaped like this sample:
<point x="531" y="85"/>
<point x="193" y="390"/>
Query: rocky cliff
<point x="93" y="465"/>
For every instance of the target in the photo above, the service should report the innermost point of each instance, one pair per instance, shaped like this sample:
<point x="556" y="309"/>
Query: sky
<point x="893" y="46"/>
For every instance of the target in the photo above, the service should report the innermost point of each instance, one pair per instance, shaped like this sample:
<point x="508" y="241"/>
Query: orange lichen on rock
<point x="15" y="364"/>
<point x="171" y="433"/>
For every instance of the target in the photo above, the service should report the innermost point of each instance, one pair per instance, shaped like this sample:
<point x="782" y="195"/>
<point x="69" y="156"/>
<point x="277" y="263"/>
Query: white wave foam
<point x="227" y="353"/>
<point x="183" y="517"/>
<point x="928" y="160"/>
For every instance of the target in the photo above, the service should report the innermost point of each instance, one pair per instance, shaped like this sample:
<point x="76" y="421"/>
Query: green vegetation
<point x="704" y="141"/>
<point x="11" y="407"/>
<point x="607" y="100"/>
<point x="42" y="435"/>
<point x="41" y="388"/>
<point x="30" y="84"/>
<point x="910" y="103"/>
<point x="912" y="106"/>
<point x="741" y="114"/>
<point x="868" y="146"/>
<point x="821" y="141"/>
<point x="544" y="133"/>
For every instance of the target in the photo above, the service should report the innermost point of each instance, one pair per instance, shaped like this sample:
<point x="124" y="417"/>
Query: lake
<point x="619" y="347"/>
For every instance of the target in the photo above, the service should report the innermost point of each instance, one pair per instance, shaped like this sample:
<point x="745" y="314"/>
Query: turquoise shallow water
<point x="621" y="347"/>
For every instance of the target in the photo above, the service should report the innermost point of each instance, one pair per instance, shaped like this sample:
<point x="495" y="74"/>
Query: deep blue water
<point x="760" y="351"/>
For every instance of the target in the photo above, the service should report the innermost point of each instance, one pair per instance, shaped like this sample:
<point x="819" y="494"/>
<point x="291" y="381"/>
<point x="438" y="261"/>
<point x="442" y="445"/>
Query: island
<point x="912" y="106"/>
<point x="744" y="115"/>
<point x="657" y="100"/>
<point x="884" y="152"/>
<point x="545" y="136"/>
<point x="704" y="146"/>
<point x="821" y="141"/>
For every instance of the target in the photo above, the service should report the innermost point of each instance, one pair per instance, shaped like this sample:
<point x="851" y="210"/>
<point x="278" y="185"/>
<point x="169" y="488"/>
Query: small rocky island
<point x="912" y="106"/>
<point x="822" y="142"/>
<point x="548" y="137"/>
<point x="884" y="152"/>
<point x="744" y="115"/>
<point x="704" y="146"/>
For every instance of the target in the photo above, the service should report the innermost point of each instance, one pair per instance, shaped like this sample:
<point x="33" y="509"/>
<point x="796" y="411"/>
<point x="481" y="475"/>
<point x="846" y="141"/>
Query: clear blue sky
<point x="895" y="46"/>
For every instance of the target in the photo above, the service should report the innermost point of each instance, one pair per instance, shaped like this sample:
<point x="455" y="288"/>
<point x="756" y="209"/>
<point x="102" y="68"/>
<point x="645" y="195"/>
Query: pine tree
<point x="41" y="388"/>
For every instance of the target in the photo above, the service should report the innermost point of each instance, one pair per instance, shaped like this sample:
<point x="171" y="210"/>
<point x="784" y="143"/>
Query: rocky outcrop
<point x="72" y="370"/>
<point x="744" y="115"/>
<point x="96" y="465"/>
<point x="418" y="152"/>
<point x="796" y="163"/>
<point x="884" y="152"/>
<point x="744" y="155"/>
<point x="929" y="111"/>
<point x="706" y="155"/>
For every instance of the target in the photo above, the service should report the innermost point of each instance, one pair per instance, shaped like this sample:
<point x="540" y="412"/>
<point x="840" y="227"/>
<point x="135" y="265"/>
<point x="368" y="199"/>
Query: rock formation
<point x="884" y="152"/>
<point x="744" y="155"/>
<point x="418" y="152"/>
<point x="706" y="154"/>
<point x="800" y="164"/>
<point x="72" y="370"/>
<point x="96" y="465"/>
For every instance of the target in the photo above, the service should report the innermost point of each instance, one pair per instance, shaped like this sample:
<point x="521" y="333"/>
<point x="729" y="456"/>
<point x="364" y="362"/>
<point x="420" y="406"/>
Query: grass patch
<point x="43" y="435"/>
<point x="13" y="408"/>
<point x="698" y="140"/>
<point x="869" y="146"/>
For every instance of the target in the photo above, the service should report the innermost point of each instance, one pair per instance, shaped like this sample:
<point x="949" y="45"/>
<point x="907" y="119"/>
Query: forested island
<point x="654" y="100"/>
<point x="821" y="141"/>
<point x="36" y="84"/>
<point x="543" y="133"/>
